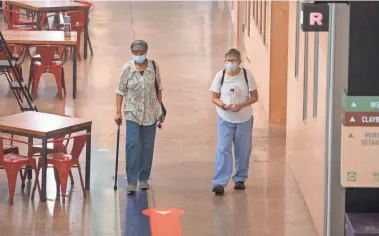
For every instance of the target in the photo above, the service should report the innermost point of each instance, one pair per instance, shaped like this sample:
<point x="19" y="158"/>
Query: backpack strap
<point x="244" y="74"/>
<point x="223" y="75"/>
<point x="157" y="88"/>
<point x="155" y="74"/>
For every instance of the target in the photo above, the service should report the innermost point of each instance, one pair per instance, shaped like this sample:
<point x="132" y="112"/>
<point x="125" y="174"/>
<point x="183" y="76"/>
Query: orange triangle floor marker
<point x="164" y="221"/>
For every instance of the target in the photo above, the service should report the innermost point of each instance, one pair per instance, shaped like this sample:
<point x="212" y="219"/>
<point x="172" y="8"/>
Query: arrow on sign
<point x="103" y="150"/>
<point x="163" y="212"/>
<point x="352" y="119"/>
<point x="353" y="104"/>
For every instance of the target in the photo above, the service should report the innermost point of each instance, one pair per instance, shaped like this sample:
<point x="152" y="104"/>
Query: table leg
<point x="88" y="160"/>
<point x="39" y="26"/>
<point x="90" y="45"/>
<point x="74" y="68"/>
<point x="86" y="13"/>
<point x="44" y="170"/>
<point x="29" y="168"/>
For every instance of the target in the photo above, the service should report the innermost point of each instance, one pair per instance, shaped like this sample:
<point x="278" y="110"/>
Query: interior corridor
<point x="188" y="41"/>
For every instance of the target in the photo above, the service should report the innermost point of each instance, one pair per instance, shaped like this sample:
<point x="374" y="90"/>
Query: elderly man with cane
<point x="140" y="88"/>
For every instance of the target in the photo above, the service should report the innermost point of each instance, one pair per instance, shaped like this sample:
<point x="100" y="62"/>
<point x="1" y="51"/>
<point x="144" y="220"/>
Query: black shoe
<point x="218" y="189"/>
<point x="239" y="185"/>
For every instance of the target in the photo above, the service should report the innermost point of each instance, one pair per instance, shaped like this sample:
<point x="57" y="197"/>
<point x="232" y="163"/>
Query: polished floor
<point x="188" y="40"/>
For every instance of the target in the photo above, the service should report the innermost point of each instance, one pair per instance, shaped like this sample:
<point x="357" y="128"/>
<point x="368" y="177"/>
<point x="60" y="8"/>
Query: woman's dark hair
<point x="233" y="52"/>
<point x="140" y="43"/>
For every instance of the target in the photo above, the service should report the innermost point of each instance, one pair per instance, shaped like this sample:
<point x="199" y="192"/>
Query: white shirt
<point x="238" y="83"/>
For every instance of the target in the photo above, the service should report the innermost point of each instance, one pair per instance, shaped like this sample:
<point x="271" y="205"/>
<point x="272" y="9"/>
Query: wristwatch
<point x="223" y="107"/>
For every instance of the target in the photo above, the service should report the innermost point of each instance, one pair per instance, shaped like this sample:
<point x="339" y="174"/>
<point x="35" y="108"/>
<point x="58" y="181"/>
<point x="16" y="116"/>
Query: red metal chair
<point x="13" y="20"/>
<point x="77" y="24"/>
<point x="61" y="55"/>
<point x="18" y="18"/>
<point x="48" y="64"/>
<point x="13" y="149"/>
<point x="13" y="163"/>
<point x="63" y="162"/>
<point x="10" y="148"/>
<point x="53" y="147"/>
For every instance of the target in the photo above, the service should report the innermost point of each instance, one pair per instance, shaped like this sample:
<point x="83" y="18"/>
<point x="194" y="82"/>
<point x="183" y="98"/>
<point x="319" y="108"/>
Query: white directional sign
<point x="359" y="156"/>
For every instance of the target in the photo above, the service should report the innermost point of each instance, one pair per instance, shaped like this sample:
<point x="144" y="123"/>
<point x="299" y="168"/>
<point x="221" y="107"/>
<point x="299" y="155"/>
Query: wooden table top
<point x="48" y="6"/>
<point x="40" y="124"/>
<point x="32" y="37"/>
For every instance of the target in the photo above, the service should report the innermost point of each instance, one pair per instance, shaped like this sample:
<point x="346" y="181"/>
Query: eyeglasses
<point x="139" y="52"/>
<point x="231" y="60"/>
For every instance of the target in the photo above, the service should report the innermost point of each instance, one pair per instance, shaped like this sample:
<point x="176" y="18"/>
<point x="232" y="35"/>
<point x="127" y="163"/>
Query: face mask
<point x="139" y="59"/>
<point x="231" y="66"/>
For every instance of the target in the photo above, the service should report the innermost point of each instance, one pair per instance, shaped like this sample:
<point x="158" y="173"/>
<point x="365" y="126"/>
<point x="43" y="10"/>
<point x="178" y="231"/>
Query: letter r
<point x="315" y="17"/>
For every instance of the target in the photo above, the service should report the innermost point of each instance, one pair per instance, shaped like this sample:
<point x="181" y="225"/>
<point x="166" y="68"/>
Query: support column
<point x="338" y="54"/>
<point x="278" y="62"/>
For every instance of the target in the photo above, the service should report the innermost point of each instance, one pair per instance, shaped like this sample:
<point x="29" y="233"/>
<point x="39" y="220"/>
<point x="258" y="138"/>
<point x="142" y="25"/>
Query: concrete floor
<point x="188" y="40"/>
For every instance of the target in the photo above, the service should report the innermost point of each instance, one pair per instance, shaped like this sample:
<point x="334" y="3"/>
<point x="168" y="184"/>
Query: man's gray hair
<point x="233" y="52"/>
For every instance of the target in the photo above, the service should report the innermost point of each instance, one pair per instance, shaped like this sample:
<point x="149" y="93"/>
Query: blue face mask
<point x="139" y="59"/>
<point x="231" y="66"/>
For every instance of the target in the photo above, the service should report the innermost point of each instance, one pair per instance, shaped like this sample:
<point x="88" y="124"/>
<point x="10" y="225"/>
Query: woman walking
<point x="140" y="88"/>
<point x="233" y="92"/>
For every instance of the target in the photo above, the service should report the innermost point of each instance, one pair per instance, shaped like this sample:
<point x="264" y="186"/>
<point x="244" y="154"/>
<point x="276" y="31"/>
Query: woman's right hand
<point x="118" y="119"/>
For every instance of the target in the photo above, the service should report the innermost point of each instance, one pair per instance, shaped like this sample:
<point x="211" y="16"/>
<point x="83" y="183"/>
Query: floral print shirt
<point x="141" y="104"/>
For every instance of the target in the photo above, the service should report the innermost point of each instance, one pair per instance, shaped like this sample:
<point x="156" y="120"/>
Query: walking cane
<point x="117" y="147"/>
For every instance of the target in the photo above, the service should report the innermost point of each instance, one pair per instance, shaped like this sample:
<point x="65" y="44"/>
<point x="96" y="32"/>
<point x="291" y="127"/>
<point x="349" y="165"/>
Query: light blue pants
<point x="240" y="135"/>
<point x="139" y="151"/>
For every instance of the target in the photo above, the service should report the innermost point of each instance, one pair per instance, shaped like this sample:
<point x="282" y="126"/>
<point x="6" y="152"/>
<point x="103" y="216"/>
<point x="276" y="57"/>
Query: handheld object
<point x="159" y="124"/>
<point x="232" y="96"/>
